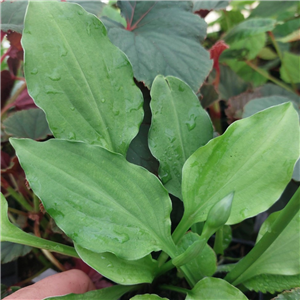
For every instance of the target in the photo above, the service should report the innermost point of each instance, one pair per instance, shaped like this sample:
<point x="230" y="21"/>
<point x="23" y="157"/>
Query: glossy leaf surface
<point x="110" y="293"/>
<point x="214" y="288"/>
<point x="269" y="283"/>
<point x="29" y="123"/>
<point x="162" y="37"/>
<point x="119" y="270"/>
<point x="179" y="127"/>
<point x="97" y="198"/>
<point x="244" y="153"/>
<point x="83" y="82"/>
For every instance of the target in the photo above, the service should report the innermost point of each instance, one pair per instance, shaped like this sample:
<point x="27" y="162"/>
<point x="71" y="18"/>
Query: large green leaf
<point x="13" y="12"/>
<point x="29" y="123"/>
<point x="119" y="270"/>
<point x="110" y="293"/>
<point x="249" y="28"/>
<point x="269" y="283"/>
<point x="209" y="5"/>
<point x="179" y="127"/>
<point x="162" y="37"/>
<point x="83" y="82"/>
<point x="242" y="160"/>
<point x="101" y="201"/>
<point x="215" y="288"/>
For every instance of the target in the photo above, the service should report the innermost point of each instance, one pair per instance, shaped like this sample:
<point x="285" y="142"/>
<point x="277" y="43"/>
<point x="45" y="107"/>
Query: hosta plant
<point x="117" y="213"/>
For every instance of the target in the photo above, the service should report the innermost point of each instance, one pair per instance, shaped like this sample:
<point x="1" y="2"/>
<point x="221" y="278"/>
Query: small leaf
<point x="98" y="198"/>
<point x="289" y="70"/>
<point x="110" y="293"/>
<point x="82" y="82"/>
<point x="162" y="37"/>
<point x="296" y="174"/>
<point x="203" y="265"/>
<point x="269" y="283"/>
<point x="244" y="153"/>
<point x="179" y="127"/>
<point x="119" y="270"/>
<point x="249" y="28"/>
<point x="11" y="251"/>
<point x="214" y="288"/>
<point x="147" y="297"/>
<point x="30" y="123"/>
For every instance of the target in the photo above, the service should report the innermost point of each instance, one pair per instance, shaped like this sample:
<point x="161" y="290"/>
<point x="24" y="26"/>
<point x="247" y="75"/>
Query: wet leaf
<point x="98" y="198"/>
<point x="99" y="102"/>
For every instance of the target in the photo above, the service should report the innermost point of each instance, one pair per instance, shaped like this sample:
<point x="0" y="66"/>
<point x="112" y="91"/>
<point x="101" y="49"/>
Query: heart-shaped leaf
<point x="83" y="82"/>
<point x="98" y="198"/>
<point x="162" y="37"/>
<point x="179" y="127"/>
<point x="244" y="154"/>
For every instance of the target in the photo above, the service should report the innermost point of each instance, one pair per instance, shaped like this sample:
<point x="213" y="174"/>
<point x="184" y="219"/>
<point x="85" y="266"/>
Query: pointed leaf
<point x="98" y="198"/>
<point x="30" y="123"/>
<point x="244" y="154"/>
<point x="83" y="82"/>
<point x="162" y="37"/>
<point x="215" y="288"/>
<point x="110" y="293"/>
<point x="179" y="127"/>
<point x="119" y="270"/>
<point x="289" y="69"/>
<point x="289" y="295"/>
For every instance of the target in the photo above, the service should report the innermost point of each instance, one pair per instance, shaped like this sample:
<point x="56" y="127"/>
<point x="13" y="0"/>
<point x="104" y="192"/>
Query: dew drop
<point x="55" y="76"/>
<point x="72" y="108"/>
<point x="50" y="90"/>
<point x="72" y="136"/>
<point x="102" y="100"/>
<point x="63" y="50"/>
<point x="80" y="12"/>
<point x="34" y="71"/>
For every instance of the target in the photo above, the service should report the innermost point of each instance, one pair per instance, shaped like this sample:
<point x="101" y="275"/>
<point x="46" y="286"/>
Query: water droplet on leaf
<point x="34" y="71"/>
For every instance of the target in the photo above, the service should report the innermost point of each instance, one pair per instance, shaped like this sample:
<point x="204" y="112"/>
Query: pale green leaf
<point x="250" y="27"/>
<point x="98" y="198"/>
<point x="269" y="283"/>
<point x="296" y="174"/>
<point x="215" y="288"/>
<point x="290" y="68"/>
<point x="83" y="82"/>
<point x="110" y="293"/>
<point x="244" y="153"/>
<point x="179" y="127"/>
<point x="267" y="53"/>
<point x="162" y="37"/>
<point x="289" y="295"/>
<point x="205" y="264"/>
<point x="125" y="272"/>
<point x="29" y="123"/>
